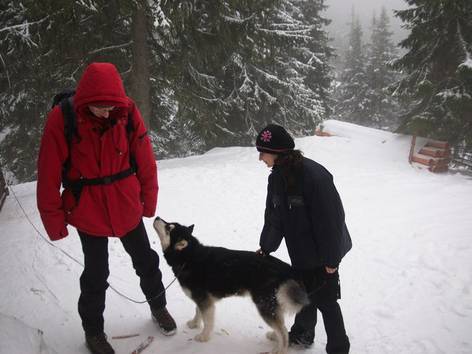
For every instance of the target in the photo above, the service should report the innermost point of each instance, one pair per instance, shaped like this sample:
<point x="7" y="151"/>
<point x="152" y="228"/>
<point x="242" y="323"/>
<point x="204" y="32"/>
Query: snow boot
<point x="98" y="344"/>
<point x="164" y="321"/>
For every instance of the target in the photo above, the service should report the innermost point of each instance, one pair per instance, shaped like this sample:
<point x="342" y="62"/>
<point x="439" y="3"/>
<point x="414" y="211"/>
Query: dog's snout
<point x="156" y="223"/>
<point x="159" y="219"/>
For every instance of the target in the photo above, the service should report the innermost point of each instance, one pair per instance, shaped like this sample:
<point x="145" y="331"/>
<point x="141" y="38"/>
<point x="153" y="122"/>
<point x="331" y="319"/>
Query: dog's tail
<point x="292" y="296"/>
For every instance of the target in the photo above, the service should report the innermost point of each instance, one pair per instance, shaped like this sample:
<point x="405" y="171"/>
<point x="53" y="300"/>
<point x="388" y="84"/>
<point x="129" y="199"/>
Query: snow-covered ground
<point x="406" y="284"/>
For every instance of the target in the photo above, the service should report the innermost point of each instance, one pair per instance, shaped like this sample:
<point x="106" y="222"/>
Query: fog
<point x="340" y="11"/>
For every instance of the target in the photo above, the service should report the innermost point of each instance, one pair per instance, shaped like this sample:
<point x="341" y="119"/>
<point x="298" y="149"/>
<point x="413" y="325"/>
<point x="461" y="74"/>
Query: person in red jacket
<point x="111" y="198"/>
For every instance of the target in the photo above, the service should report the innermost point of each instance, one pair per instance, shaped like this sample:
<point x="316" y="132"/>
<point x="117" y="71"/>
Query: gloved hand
<point x="62" y="233"/>
<point x="330" y="270"/>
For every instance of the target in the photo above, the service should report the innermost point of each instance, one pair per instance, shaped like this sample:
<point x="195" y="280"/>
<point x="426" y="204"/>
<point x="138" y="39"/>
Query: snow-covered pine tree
<point x="352" y="92"/>
<point x="438" y="68"/>
<point x="245" y="64"/>
<point x="19" y="37"/>
<point x="313" y="58"/>
<point x="55" y="42"/>
<point x="383" y="108"/>
<point x="194" y="39"/>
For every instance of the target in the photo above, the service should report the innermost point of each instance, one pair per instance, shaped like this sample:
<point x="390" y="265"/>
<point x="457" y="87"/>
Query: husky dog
<point x="208" y="274"/>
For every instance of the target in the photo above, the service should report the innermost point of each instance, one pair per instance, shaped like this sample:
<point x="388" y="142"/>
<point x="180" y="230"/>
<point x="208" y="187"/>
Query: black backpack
<point x="65" y="100"/>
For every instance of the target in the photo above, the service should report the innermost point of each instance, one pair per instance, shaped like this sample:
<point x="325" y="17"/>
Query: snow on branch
<point x="23" y="30"/>
<point x="237" y="20"/>
<point x="207" y="82"/>
<point x="217" y="101"/>
<point x="286" y="26"/>
<point x="467" y="63"/>
<point x="227" y="131"/>
<point x="246" y="84"/>
<point x="206" y="99"/>
<point x="314" y="58"/>
<point x="468" y="59"/>
<point x="112" y="47"/>
<point x="270" y="77"/>
<point x="89" y="6"/>
<point x="160" y="18"/>
<point x="99" y="50"/>
<point x="259" y="90"/>
<point x="299" y="34"/>
<point x="295" y="64"/>
<point x="23" y="26"/>
<point x="6" y="71"/>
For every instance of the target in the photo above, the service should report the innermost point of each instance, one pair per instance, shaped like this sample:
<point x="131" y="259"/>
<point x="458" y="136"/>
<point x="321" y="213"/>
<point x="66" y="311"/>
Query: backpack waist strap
<point x="99" y="180"/>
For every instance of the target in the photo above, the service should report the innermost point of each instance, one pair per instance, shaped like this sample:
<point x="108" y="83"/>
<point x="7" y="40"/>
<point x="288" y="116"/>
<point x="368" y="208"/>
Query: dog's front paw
<point x="281" y="351"/>
<point x="202" y="337"/>
<point x="193" y="324"/>
<point x="271" y="336"/>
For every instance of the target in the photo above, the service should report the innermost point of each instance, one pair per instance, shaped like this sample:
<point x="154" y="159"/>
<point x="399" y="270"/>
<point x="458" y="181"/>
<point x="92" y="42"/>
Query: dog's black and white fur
<point x="207" y="274"/>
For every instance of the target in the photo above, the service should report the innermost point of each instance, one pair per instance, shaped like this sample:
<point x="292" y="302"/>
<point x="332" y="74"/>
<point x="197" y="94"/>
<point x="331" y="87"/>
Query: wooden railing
<point x="462" y="156"/>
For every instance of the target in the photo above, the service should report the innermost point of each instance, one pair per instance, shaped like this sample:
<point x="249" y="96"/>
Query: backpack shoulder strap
<point x="70" y="124"/>
<point x="129" y="130"/>
<point x="130" y="124"/>
<point x="70" y="129"/>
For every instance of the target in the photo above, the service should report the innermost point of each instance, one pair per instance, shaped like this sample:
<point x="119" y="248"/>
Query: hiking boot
<point x="98" y="344"/>
<point x="164" y="321"/>
<point x="300" y="340"/>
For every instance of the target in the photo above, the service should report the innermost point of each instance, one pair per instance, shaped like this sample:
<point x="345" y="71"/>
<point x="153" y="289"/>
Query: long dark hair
<point x="291" y="165"/>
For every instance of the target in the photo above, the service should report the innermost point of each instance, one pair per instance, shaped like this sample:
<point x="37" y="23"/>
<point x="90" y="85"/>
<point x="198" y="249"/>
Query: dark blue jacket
<point x="310" y="218"/>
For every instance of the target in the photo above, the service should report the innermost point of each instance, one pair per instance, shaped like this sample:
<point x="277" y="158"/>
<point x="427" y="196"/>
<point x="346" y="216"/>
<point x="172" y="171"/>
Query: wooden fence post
<point x="412" y="148"/>
<point x="3" y="189"/>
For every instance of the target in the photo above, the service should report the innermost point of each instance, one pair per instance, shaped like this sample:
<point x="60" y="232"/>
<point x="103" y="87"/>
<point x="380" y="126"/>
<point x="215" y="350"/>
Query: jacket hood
<point x="100" y="84"/>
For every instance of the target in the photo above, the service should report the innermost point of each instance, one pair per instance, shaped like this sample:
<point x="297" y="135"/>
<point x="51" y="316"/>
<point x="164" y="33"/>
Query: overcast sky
<point x="339" y="11"/>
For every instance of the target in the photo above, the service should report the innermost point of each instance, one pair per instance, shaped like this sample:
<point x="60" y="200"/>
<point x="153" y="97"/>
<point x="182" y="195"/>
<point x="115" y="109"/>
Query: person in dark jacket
<point x="114" y="205"/>
<point x="304" y="208"/>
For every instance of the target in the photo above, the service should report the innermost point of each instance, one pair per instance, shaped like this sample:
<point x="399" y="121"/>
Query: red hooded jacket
<point x="102" y="149"/>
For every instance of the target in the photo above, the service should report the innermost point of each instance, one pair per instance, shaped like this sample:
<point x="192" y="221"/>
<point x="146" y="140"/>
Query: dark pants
<point x="93" y="281"/>
<point x="324" y="292"/>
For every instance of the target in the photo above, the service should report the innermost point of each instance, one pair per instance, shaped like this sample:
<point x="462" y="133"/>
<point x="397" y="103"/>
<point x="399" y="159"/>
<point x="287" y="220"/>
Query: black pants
<point x="93" y="281"/>
<point x="324" y="292"/>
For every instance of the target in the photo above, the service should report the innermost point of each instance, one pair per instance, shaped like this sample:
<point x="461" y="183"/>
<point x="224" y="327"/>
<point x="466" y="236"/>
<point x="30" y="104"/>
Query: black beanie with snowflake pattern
<point x="274" y="139"/>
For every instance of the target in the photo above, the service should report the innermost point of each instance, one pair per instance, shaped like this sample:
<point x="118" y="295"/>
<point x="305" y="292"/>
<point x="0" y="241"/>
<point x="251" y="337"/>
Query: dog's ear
<point x="179" y="246"/>
<point x="190" y="228"/>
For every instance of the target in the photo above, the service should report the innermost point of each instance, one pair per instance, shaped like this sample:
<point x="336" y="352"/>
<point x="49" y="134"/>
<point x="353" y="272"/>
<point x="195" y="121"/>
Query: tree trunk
<point x="140" y="84"/>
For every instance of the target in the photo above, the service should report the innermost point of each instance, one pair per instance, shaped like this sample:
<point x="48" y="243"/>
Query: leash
<point x="313" y="292"/>
<point x="81" y="264"/>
